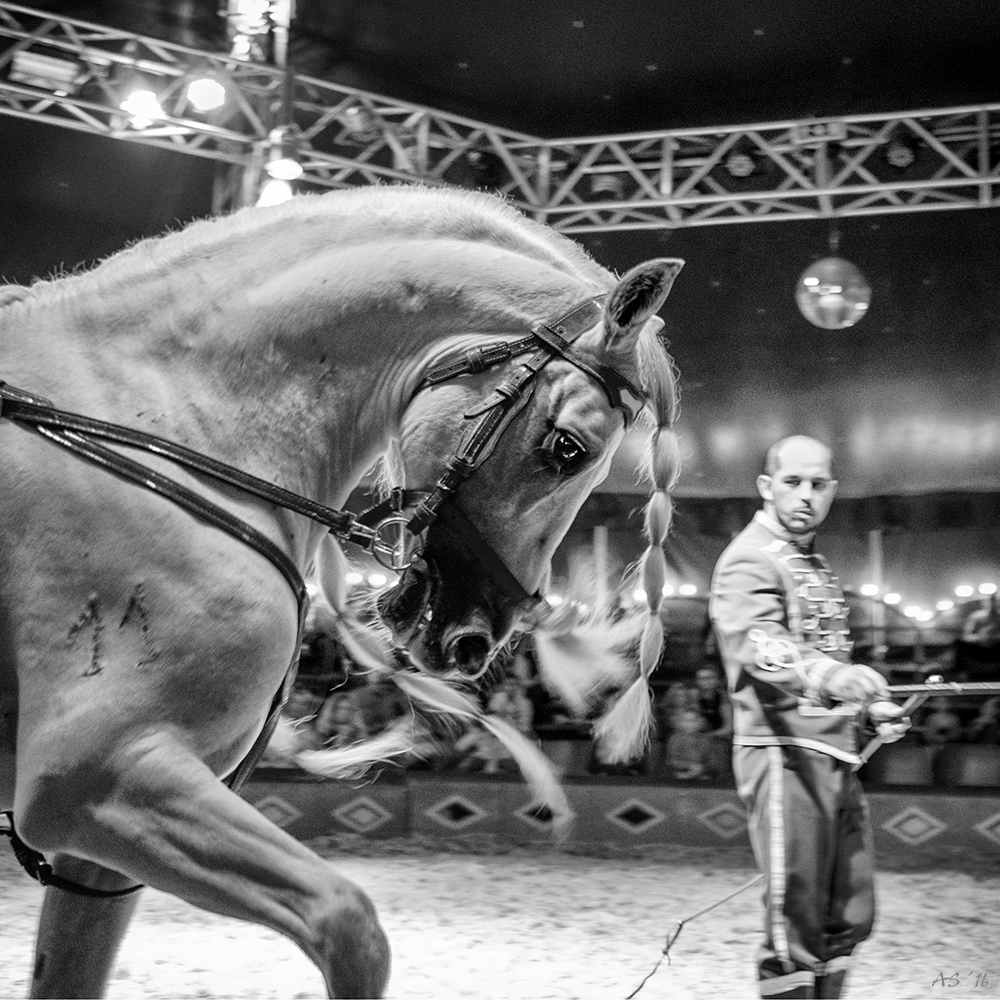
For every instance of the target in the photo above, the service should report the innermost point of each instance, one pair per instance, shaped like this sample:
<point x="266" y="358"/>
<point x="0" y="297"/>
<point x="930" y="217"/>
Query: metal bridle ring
<point x="394" y="545"/>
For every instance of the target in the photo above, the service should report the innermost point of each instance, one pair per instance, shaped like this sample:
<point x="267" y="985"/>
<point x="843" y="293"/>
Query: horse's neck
<point x="281" y="349"/>
<point x="276" y="373"/>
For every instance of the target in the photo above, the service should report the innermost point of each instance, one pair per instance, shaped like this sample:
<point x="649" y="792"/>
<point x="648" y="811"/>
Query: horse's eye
<point x="567" y="453"/>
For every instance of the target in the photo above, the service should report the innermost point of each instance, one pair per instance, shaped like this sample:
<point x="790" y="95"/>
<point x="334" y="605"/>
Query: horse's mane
<point x="356" y="214"/>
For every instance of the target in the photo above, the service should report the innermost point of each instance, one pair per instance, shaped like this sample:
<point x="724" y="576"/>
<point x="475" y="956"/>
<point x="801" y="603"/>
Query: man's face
<point x="801" y="490"/>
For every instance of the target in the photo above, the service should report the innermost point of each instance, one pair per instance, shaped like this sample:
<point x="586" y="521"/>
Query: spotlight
<point x="143" y="107"/>
<point x="892" y="598"/>
<point x="901" y="153"/>
<point x="869" y="589"/>
<point x="945" y="605"/>
<point x="360" y="124"/>
<point x="274" y="192"/>
<point x="206" y="93"/>
<point x="283" y="154"/>
<point x="61" y="76"/>
<point x="607" y="187"/>
<point x="964" y="590"/>
<point x="740" y="164"/>
<point x="687" y="590"/>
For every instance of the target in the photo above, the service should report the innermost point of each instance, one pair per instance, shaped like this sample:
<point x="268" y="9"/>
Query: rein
<point x="373" y="530"/>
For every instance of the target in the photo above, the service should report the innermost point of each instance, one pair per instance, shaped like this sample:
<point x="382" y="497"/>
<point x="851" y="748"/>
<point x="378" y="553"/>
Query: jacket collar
<point x="804" y="543"/>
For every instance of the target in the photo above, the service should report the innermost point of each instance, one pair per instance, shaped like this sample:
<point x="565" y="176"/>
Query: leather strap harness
<point x="81" y="436"/>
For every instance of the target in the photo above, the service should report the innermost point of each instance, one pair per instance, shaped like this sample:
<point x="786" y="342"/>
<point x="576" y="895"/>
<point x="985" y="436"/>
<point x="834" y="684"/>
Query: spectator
<point x="689" y="749"/>
<point x="985" y="727"/>
<point x="380" y="702"/>
<point x="941" y="725"/>
<point x="713" y="703"/>
<point x="510" y="703"/>
<point x="340" y="722"/>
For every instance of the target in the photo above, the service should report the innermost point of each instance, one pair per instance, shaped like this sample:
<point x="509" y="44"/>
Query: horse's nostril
<point x="469" y="653"/>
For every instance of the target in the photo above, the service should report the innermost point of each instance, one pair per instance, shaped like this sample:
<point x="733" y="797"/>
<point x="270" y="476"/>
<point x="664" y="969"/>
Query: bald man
<point x="799" y="705"/>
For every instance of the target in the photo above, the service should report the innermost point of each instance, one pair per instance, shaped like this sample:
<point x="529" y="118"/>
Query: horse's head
<point x="515" y="446"/>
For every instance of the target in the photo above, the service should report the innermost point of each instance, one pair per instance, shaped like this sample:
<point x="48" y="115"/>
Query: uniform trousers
<point x="811" y="836"/>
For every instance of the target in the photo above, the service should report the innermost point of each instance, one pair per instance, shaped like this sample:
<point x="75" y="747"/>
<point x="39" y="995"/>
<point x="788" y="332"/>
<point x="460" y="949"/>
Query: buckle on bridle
<point x="394" y="545"/>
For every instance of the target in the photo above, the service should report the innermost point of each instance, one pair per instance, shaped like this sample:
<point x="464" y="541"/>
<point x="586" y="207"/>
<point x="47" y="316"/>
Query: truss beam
<point x="929" y="160"/>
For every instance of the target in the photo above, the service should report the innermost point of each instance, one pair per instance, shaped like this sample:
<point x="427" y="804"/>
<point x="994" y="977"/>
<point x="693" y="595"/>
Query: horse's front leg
<point x="164" y="819"/>
<point x="78" y="936"/>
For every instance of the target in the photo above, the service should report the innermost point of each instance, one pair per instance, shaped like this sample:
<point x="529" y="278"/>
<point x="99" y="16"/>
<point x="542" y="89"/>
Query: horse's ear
<point x="637" y="297"/>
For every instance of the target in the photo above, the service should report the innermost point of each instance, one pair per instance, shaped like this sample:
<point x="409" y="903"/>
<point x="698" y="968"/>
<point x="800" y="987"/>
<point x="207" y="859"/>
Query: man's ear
<point x="833" y="489"/>
<point x="764" y="487"/>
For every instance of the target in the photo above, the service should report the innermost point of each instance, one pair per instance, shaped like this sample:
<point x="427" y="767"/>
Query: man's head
<point x="797" y="483"/>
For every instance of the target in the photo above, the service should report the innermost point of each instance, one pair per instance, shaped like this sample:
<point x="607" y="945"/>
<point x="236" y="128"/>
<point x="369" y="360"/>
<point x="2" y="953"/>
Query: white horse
<point x="163" y="418"/>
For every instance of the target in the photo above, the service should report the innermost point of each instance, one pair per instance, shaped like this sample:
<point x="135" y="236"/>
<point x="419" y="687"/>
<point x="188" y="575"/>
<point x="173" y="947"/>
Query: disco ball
<point x="832" y="294"/>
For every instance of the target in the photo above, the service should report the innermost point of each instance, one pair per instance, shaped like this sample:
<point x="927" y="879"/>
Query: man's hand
<point x="888" y="719"/>
<point x="855" y="683"/>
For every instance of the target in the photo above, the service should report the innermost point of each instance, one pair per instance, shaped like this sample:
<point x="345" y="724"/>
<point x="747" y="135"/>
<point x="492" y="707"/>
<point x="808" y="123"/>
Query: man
<point x="798" y="709"/>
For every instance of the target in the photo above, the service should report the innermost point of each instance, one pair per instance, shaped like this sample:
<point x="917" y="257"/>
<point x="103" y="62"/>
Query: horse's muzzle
<point x="439" y="644"/>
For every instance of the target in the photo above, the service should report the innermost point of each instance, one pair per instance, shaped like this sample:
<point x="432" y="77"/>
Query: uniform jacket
<point x="781" y="621"/>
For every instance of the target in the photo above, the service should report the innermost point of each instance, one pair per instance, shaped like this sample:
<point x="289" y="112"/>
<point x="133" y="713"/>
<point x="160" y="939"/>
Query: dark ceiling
<point x="560" y="68"/>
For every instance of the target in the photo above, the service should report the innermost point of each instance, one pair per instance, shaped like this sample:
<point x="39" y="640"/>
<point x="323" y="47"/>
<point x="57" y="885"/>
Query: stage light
<point x="353" y="578"/>
<point x="964" y="590"/>
<point x="870" y="589"/>
<point x="377" y="580"/>
<point x="925" y="616"/>
<point x="143" y="108"/>
<point x="639" y="595"/>
<point x="273" y="192"/>
<point x="833" y="294"/>
<point x="986" y="589"/>
<point x="687" y="590"/>
<point x="945" y="605"/>
<point x="892" y="598"/>
<point x="282" y="162"/>
<point x="912" y="610"/>
<point x="554" y="599"/>
<point x="35" y="69"/>
<point x="901" y="153"/>
<point x="607" y="187"/>
<point x="740" y="164"/>
<point x="668" y="590"/>
<point x="206" y="93"/>
<point x="361" y="125"/>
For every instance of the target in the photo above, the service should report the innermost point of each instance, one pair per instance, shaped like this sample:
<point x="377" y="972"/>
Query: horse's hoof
<point x="359" y="957"/>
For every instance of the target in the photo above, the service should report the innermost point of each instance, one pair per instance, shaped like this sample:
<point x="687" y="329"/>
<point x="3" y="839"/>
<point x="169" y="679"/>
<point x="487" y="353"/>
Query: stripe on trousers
<point x="776" y="825"/>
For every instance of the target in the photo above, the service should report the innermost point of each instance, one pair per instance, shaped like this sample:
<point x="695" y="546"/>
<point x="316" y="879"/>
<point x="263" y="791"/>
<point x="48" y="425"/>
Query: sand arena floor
<point x="534" y="923"/>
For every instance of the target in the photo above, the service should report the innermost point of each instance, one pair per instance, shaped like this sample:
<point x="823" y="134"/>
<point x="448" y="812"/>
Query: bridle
<point x="492" y="416"/>
<point x="384" y="530"/>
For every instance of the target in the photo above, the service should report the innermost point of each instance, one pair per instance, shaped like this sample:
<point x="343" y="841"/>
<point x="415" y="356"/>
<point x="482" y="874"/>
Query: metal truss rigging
<point x="928" y="160"/>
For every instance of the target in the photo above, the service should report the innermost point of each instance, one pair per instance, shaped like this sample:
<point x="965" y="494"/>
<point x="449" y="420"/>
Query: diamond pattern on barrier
<point x="362" y="814"/>
<point x="455" y="812"/>
<point x="635" y="816"/>
<point x="277" y="810"/>
<point x="990" y="828"/>
<point x="725" y="820"/>
<point x="914" y="826"/>
<point x="536" y="814"/>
